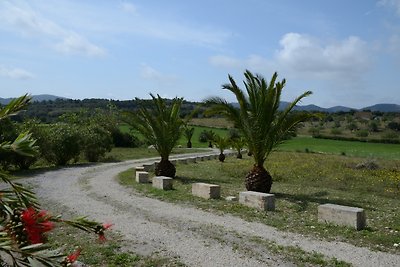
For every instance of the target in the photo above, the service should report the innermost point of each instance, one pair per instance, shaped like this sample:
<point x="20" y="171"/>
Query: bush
<point x="97" y="141"/>
<point x="394" y="126"/>
<point x="362" y="133"/>
<point x="336" y="131"/>
<point x="121" y="139"/>
<point x="390" y="135"/>
<point x="60" y="143"/>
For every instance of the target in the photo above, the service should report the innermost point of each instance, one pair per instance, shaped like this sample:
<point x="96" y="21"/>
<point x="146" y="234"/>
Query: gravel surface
<point x="196" y="237"/>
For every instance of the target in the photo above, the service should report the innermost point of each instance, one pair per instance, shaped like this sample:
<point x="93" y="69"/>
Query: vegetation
<point x="222" y="143"/>
<point x="302" y="182"/>
<point x="162" y="127"/>
<point x="23" y="225"/>
<point x="188" y="132"/>
<point x="259" y="121"/>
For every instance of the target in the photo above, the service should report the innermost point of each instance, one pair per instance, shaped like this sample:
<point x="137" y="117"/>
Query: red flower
<point x="101" y="230"/>
<point x="74" y="256"/>
<point x="36" y="224"/>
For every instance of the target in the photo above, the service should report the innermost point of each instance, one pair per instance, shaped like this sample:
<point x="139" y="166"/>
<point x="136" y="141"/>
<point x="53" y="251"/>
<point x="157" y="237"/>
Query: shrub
<point x="60" y="143"/>
<point x="390" y="135"/>
<point x="336" y="131"/>
<point x="97" y="141"/>
<point x="395" y="126"/>
<point x="121" y="139"/>
<point x="362" y="133"/>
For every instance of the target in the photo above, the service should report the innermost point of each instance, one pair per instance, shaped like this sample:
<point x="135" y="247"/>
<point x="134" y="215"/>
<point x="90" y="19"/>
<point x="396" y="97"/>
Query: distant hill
<point x="35" y="98"/>
<point x="377" y="107"/>
<point x="383" y="108"/>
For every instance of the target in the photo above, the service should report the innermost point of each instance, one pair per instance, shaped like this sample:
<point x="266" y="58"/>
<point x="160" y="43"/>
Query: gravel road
<point x="196" y="237"/>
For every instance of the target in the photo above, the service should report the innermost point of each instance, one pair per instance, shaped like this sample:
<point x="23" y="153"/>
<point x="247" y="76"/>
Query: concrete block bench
<point x="342" y="215"/>
<point x="260" y="201"/>
<point x="139" y="169"/>
<point x="142" y="177"/>
<point x="206" y="191"/>
<point x="162" y="182"/>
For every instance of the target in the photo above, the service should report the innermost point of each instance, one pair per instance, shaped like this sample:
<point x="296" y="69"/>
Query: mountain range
<point x="35" y="98"/>
<point x="378" y="107"/>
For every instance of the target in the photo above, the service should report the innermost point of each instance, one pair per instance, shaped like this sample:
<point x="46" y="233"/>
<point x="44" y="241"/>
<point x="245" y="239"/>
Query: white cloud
<point x="23" y="19"/>
<point x="15" y="73"/>
<point x="302" y="55"/>
<point x="75" y="44"/>
<point x="305" y="54"/>
<point x="390" y="4"/>
<point x="150" y="73"/>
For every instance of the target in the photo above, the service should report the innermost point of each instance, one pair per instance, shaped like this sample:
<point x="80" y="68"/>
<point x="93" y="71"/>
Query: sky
<point x="346" y="52"/>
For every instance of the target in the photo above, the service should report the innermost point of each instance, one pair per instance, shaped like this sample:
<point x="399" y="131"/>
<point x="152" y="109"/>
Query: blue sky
<point x="346" y="52"/>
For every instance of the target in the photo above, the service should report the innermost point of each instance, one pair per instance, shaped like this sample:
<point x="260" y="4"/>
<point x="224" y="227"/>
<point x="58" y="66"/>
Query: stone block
<point x="206" y="191"/>
<point x="142" y="177"/>
<point x="139" y="169"/>
<point x="260" y="201"/>
<point x="342" y="215"/>
<point x="200" y="158"/>
<point x="162" y="182"/>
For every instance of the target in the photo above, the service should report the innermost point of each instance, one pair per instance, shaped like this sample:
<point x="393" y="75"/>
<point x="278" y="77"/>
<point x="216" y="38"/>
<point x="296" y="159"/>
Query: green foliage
<point x="222" y="143"/>
<point x="97" y="141"/>
<point x="362" y="133"/>
<point x="395" y="126"/>
<point x="161" y="124"/>
<point x="373" y="126"/>
<point x="336" y="131"/>
<point x="23" y="225"/>
<point x="258" y="118"/>
<point x="60" y="143"/>
<point x="207" y="136"/>
<point x="188" y="133"/>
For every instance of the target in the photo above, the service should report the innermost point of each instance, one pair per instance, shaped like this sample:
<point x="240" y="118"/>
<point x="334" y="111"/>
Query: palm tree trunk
<point x="165" y="168"/>
<point x="259" y="180"/>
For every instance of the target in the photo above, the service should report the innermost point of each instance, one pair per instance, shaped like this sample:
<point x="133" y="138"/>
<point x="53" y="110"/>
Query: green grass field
<point x="349" y="148"/>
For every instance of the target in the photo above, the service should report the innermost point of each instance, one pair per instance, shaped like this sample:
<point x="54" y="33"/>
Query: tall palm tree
<point x="162" y="127"/>
<point x="258" y="119"/>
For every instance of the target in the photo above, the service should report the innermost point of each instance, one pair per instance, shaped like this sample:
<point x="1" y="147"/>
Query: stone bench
<point x="206" y="191"/>
<point x="139" y="169"/>
<point x="342" y="215"/>
<point x="162" y="182"/>
<point x="260" y="201"/>
<point x="142" y="177"/>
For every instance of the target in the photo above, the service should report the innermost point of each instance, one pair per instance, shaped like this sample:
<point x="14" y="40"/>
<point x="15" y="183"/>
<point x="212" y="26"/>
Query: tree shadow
<point x="303" y="200"/>
<point x="186" y="180"/>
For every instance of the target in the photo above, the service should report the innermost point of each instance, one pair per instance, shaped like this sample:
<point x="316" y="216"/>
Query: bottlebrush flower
<point x="36" y="224"/>
<point x="100" y="230"/>
<point x="74" y="256"/>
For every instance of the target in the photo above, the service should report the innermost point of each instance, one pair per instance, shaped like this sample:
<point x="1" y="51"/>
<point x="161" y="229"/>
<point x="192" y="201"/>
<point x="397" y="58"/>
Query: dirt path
<point x="197" y="237"/>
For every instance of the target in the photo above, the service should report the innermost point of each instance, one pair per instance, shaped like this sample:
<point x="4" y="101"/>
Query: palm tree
<point x="238" y="144"/>
<point x="259" y="121"/>
<point x="188" y="132"/>
<point x="222" y="143"/>
<point x="162" y="127"/>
